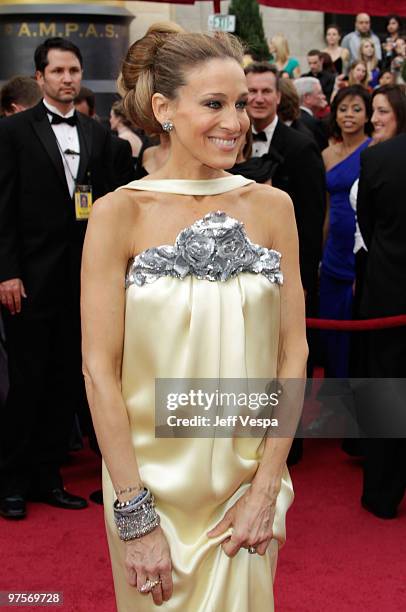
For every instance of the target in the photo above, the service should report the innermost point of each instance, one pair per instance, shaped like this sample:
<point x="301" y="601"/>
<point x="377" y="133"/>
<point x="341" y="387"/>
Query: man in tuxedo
<point x="301" y="172"/>
<point x="327" y="79"/>
<point x="312" y="100"/>
<point x="381" y="406"/>
<point x="50" y="157"/>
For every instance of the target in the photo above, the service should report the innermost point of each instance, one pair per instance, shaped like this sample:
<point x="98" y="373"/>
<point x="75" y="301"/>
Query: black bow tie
<point x="56" y="119"/>
<point x="261" y="136"/>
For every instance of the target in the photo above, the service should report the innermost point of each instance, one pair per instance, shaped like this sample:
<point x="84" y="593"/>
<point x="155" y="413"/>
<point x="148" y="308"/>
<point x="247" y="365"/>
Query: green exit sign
<point x="222" y="23"/>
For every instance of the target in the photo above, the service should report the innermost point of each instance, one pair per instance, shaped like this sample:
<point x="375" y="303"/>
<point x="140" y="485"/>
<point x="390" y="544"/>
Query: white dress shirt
<point x="260" y="147"/>
<point x="67" y="138"/>
<point x="358" y="239"/>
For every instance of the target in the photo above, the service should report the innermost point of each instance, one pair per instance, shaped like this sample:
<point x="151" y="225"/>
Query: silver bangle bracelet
<point x="137" y="523"/>
<point x="137" y="517"/>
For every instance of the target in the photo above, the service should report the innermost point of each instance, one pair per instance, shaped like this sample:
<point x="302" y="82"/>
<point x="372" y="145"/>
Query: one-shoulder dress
<point x="206" y="307"/>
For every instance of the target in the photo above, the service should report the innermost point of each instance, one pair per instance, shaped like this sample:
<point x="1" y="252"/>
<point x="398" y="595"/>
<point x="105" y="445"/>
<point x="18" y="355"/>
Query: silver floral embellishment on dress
<point x="214" y="248"/>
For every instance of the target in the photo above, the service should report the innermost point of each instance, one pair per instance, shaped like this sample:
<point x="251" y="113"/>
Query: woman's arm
<point x="107" y="248"/>
<point x="252" y="516"/>
<point x="293" y="350"/>
<point x="105" y="255"/>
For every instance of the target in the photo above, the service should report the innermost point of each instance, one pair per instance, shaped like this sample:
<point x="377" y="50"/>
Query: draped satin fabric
<point x="195" y="328"/>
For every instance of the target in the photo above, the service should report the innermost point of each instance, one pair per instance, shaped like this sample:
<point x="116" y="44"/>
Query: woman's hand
<point x="251" y="518"/>
<point x="148" y="558"/>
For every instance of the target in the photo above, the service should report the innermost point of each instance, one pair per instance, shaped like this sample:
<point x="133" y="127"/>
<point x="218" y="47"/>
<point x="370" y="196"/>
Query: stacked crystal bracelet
<point x="136" y="517"/>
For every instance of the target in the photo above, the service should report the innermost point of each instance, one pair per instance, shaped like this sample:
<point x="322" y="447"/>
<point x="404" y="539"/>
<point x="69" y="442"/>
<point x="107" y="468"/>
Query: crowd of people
<point x="332" y="138"/>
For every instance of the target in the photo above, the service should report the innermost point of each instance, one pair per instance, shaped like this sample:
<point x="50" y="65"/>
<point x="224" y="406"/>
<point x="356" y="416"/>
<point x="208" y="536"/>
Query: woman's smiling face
<point x="209" y="113"/>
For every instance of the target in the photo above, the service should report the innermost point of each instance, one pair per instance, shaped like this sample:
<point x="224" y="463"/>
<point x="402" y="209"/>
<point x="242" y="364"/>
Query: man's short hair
<point x="305" y="85"/>
<point x="314" y="52"/>
<point x="22" y="90"/>
<point x="86" y="95"/>
<point x="41" y="52"/>
<point x="262" y="68"/>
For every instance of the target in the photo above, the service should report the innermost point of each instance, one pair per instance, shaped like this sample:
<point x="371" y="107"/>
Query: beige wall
<point x="304" y="29"/>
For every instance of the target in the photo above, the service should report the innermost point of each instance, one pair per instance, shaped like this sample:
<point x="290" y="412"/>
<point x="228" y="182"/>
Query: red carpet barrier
<point x="357" y="325"/>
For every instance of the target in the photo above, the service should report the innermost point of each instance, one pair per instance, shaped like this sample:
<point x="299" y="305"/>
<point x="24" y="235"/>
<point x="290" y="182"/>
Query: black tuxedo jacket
<point x="316" y="127"/>
<point x="381" y="215"/>
<point x="301" y="174"/>
<point x="40" y="239"/>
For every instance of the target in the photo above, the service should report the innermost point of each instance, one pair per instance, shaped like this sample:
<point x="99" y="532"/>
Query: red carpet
<point x="338" y="557"/>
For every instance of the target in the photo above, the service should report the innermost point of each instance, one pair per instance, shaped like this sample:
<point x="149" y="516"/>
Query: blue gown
<point x="338" y="262"/>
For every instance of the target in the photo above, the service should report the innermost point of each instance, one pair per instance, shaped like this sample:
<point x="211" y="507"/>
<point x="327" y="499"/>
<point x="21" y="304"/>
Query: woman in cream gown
<point x="204" y="304"/>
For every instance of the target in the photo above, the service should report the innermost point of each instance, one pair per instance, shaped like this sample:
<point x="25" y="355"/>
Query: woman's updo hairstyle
<point x="157" y="63"/>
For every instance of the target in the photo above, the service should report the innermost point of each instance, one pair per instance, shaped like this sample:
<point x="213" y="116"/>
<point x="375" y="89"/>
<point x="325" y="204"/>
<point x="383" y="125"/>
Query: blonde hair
<point x="374" y="59"/>
<point x="282" y="47"/>
<point x="157" y="64"/>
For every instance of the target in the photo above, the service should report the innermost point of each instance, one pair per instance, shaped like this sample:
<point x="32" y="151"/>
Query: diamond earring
<point x="167" y="126"/>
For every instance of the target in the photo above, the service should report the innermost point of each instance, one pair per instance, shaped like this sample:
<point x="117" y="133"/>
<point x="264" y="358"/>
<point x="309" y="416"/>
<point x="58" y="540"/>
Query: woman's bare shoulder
<point x="269" y="199"/>
<point x="116" y="214"/>
<point x="116" y="203"/>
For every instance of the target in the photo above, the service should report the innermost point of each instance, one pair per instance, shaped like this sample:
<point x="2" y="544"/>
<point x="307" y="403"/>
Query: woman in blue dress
<point x="350" y="114"/>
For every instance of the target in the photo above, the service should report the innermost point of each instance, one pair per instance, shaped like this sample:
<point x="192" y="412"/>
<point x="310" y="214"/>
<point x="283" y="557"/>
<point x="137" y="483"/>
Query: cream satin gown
<point x="198" y="328"/>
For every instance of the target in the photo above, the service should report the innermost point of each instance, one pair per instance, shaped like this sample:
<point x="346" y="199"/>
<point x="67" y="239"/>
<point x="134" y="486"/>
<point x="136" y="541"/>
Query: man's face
<point x="315" y="64"/>
<point x="316" y="100"/>
<point x="263" y="97"/>
<point x="363" y="23"/>
<point x="61" y="79"/>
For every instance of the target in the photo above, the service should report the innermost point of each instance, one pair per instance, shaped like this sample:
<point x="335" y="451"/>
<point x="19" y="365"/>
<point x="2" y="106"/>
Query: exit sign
<point x="222" y="23"/>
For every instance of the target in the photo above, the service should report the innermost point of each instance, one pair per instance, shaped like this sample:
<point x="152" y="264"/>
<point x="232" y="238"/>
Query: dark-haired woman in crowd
<point x="393" y="27"/>
<point x="350" y="114"/>
<point x="339" y="55"/>
<point x="382" y="219"/>
<point x="388" y="120"/>
<point x="178" y="292"/>
<point x="120" y="123"/>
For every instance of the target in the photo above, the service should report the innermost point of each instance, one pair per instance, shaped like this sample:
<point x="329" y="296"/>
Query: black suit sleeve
<point x="308" y="191"/>
<point x="9" y="198"/>
<point x="365" y="211"/>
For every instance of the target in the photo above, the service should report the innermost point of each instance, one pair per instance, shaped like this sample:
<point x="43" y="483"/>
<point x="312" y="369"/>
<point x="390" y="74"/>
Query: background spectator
<point x="382" y="220"/>
<point x="350" y="113"/>
<point x="279" y="49"/>
<point x="339" y="55"/>
<point x="368" y="55"/>
<point x="397" y="64"/>
<point x="393" y="28"/>
<point x="386" y="78"/>
<point x="18" y="94"/>
<point x="312" y="100"/>
<point x="326" y="79"/>
<point x="120" y="123"/>
<point x="362" y="30"/>
<point x="51" y="149"/>
<point x="327" y="62"/>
